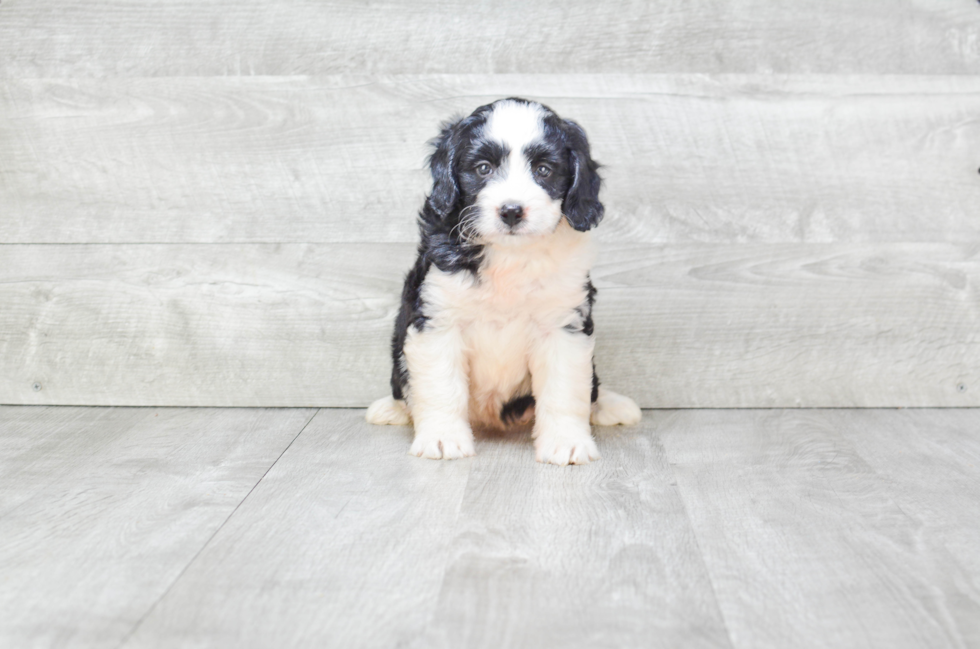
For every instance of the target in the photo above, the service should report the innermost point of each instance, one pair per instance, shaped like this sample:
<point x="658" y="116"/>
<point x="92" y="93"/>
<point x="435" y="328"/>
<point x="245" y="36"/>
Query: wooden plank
<point x="343" y="544"/>
<point x="828" y="325"/>
<point x="602" y="557"/>
<point x="104" y="508"/>
<point x="223" y="325"/>
<point x="804" y="543"/>
<point x="308" y="325"/>
<point x="365" y="546"/>
<point x="931" y="461"/>
<point x="112" y="38"/>
<point x="40" y="445"/>
<point x="340" y="159"/>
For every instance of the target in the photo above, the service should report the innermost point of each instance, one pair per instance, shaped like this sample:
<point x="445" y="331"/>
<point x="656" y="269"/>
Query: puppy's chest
<point x="510" y="298"/>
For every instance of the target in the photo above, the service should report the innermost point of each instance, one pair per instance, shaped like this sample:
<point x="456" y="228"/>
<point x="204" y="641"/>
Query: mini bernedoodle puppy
<point x="495" y="326"/>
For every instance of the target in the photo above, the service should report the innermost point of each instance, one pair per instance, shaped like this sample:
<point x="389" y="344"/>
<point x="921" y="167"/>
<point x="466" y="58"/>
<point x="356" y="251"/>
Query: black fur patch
<point x="409" y="315"/>
<point x="443" y="218"/>
<point x="581" y="206"/>
<point x="584" y="310"/>
<point x="595" y="384"/>
<point x="551" y="152"/>
<point x="514" y="409"/>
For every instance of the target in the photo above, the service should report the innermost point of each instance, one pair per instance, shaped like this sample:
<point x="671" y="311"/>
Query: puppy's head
<point x="511" y="171"/>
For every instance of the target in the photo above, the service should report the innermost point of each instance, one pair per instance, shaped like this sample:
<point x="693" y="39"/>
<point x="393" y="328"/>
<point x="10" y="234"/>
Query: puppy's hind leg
<point x="613" y="409"/>
<point x="388" y="411"/>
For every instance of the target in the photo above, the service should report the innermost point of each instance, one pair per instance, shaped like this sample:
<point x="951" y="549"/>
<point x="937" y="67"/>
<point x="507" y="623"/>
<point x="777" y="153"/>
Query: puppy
<point x="495" y="326"/>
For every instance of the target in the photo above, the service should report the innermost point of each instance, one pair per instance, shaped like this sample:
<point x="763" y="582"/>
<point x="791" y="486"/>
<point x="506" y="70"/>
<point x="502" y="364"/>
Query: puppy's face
<point x="511" y="171"/>
<point x="514" y="174"/>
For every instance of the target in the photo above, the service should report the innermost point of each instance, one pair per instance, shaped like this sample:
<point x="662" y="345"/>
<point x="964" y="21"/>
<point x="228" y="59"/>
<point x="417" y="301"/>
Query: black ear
<point x="581" y="206"/>
<point x="445" y="189"/>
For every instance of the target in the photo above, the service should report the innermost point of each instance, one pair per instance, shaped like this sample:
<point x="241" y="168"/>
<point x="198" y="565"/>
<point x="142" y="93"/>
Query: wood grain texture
<point x="144" y="38"/>
<point x="309" y="325"/>
<point x="40" y="445"/>
<point x="362" y="545"/>
<point x="102" y="509"/>
<point x="699" y="528"/>
<point x="191" y="325"/>
<point x="343" y="544"/>
<point x="825" y="325"/>
<point x="930" y="459"/>
<point x="603" y="557"/>
<point x="741" y="158"/>
<point x="806" y="545"/>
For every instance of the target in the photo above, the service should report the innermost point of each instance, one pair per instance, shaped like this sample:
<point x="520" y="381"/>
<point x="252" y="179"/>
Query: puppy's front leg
<point x="561" y="380"/>
<point x="438" y="394"/>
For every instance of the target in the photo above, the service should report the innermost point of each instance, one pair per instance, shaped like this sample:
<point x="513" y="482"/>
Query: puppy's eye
<point x="484" y="169"/>
<point x="543" y="171"/>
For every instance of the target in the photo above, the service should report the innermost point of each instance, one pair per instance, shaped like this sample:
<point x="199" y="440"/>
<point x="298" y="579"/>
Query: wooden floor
<point x="140" y="527"/>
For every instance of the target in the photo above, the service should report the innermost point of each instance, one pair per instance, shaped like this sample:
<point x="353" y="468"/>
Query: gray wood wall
<point x="213" y="203"/>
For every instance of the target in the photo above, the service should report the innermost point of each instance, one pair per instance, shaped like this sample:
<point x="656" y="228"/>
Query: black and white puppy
<point x="495" y="325"/>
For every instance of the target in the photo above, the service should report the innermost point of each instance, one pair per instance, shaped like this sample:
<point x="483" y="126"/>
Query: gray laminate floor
<point x="140" y="527"/>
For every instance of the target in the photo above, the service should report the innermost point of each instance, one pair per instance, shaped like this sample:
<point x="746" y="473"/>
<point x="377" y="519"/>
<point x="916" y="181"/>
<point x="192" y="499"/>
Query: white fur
<point x="438" y="398"/>
<point x="388" y="411"/>
<point x="515" y="124"/>
<point x="613" y="409"/>
<point x="502" y="332"/>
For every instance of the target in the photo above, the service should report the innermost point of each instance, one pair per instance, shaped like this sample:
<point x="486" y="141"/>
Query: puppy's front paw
<point x="568" y="444"/>
<point x="446" y="442"/>
<point x="566" y="451"/>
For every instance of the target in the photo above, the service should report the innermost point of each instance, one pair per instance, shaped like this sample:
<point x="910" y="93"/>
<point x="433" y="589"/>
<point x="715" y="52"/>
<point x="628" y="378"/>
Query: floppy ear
<point x="445" y="189"/>
<point x="581" y="206"/>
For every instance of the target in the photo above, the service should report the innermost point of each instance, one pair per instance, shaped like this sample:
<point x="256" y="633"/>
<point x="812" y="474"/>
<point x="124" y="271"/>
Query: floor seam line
<point x="697" y="543"/>
<point x="204" y="545"/>
<point x="451" y="543"/>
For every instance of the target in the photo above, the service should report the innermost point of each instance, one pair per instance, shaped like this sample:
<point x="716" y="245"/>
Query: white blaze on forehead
<point x="515" y="125"/>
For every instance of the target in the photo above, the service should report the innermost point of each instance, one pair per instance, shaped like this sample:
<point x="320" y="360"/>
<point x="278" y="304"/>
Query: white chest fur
<point x="522" y="295"/>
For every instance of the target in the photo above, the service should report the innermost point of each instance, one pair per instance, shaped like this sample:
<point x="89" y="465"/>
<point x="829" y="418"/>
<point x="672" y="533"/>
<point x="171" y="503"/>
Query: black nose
<point x="511" y="213"/>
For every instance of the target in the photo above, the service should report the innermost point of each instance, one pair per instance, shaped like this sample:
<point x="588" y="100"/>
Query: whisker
<point x="464" y="227"/>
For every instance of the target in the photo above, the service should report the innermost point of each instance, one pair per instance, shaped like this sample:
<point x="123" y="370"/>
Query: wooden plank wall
<point x="213" y="204"/>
